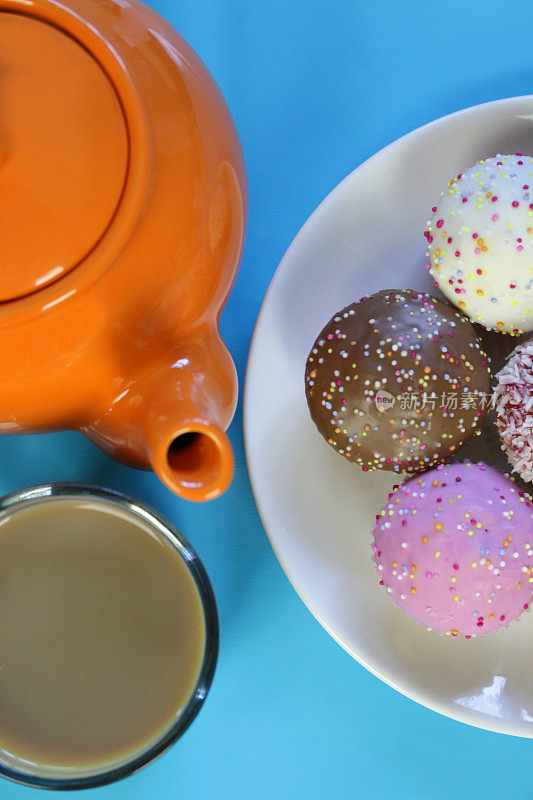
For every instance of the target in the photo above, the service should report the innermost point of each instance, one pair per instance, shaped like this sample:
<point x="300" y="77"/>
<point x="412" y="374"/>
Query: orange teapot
<point x="122" y="218"/>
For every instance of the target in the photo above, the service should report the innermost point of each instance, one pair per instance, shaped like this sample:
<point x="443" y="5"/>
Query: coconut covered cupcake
<point x="514" y="409"/>
<point x="454" y="549"/>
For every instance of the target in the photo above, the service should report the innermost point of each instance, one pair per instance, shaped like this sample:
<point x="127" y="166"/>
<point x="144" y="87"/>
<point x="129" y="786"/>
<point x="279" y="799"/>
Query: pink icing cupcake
<point x="514" y="409"/>
<point x="454" y="549"/>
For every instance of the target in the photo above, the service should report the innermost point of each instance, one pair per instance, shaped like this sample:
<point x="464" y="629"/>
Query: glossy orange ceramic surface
<point x="122" y="216"/>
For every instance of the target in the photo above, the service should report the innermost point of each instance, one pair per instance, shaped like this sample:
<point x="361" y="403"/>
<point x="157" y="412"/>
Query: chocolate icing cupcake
<point x="397" y="381"/>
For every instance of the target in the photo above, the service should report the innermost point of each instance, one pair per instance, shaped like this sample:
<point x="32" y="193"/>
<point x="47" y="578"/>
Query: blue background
<point x="315" y="88"/>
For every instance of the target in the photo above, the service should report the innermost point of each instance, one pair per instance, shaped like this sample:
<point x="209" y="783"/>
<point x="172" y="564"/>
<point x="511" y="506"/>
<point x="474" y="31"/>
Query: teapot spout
<point x="172" y="420"/>
<point x="189" y="453"/>
<point x="183" y="411"/>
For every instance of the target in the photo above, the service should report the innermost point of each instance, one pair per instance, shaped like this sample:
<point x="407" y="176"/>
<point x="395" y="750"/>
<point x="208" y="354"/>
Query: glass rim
<point x="145" y="512"/>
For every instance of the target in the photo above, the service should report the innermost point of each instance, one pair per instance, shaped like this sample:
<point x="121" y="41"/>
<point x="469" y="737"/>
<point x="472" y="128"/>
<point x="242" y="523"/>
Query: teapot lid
<point x="63" y="154"/>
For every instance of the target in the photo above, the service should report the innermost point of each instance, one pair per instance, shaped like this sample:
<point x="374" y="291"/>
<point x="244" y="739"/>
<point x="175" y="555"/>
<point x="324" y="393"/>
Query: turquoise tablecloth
<point x="315" y="87"/>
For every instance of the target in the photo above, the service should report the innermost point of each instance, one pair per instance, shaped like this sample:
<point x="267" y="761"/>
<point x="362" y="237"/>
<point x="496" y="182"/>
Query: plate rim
<point x="246" y="413"/>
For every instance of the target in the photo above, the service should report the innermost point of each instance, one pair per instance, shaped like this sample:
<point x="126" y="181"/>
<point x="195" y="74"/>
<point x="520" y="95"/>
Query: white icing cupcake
<point x="480" y="243"/>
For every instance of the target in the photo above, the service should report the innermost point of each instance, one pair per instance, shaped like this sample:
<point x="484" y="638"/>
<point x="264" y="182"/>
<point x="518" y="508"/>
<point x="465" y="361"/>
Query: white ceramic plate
<point x="318" y="509"/>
